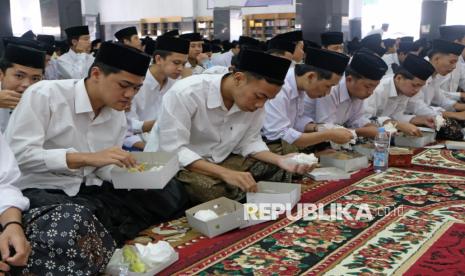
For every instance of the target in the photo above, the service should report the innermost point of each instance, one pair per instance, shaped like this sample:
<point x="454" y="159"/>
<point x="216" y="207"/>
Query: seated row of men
<point x="229" y="131"/>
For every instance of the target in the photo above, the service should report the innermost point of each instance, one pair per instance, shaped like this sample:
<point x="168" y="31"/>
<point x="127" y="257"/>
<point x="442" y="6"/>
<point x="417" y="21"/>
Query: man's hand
<point x="286" y="164"/>
<point x="139" y="145"/>
<point x="311" y="127"/>
<point x="339" y="135"/>
<point x="423" y="121"/>
<point x="454" y="115"/>
<point x="9" y="98"/>
<point x="148" y="125"/>
<point x="13" y="236"/>
<point x="4" y="267"/>
<point x="243" y="180"/>
<point x="112" y="156"/>
<point x="408" y="129"/>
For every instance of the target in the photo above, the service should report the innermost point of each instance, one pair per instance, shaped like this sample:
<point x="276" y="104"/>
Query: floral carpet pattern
<point x="441" y="158"/>
<point x="416" y="227"/>
<point x="408" y="207"/>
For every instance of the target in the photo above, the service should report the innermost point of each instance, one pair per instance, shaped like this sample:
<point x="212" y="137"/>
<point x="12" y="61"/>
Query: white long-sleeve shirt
<point x="454" y="80"/>
<point x="51" y="71"/>
<point x="195" y="123"/>
<point x="285" y="117"/>
<point x="11" y="196"/>
<point x="72" y="65"/>
<point x="386" y="104"/>
<point x="224" y="59"/>
<point x="340" y="108"/>
<point x="431" y="100"/>
<point x="145" y="106"/>
<point x="52" y="119"/>
<point x="390" y="59"/>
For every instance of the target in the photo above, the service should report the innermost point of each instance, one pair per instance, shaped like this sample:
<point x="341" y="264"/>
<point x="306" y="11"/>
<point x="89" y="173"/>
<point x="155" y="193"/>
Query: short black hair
<point x="302" y="69"/>
<point x="106" y="69"/>
<point x="351" y="72"/>
<point x="5" y="64"/>
<point x="404" y="73"/>
<point x="127" y="37"/>
<point x="162" y="53"/>
<point x="70" y="40"/>
<point x="433" y="52"/>
<point x="256" y="76"/>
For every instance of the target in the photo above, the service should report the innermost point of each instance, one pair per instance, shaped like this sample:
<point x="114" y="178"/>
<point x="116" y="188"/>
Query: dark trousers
<point x="123" y="213"/>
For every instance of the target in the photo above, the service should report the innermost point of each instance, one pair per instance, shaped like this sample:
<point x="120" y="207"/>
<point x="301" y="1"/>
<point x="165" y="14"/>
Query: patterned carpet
<point x="416" y="228"/>
<point x="441" y="159"/>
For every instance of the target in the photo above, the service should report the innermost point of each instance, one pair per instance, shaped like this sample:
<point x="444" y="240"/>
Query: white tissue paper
<point x="439" y="121"/>
<point x="390" y="128"/>
<point x="303" y="158"/>
<point x="151" y="258"/>
<point x="205" y="215"/>
<point x="154" y="254"/>
<point x="339" y="146"/>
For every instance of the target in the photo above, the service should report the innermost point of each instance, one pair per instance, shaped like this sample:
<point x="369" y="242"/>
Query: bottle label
<point x="379" y="159"/>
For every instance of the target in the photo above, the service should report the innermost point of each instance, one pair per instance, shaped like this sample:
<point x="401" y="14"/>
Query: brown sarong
<point x="202" y="188"/>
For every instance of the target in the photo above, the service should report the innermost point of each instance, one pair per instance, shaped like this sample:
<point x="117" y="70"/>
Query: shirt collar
<point x="343" y="92"/>
<point x="82" y="103"/>
<point x="214" y="97"/>
<point x="150" y="81"/>
<point x="291" y="81"/>
<point x="392" y="88"/>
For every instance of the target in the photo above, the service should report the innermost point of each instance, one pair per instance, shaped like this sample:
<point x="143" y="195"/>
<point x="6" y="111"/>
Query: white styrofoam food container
<point x="328" y="174"/>
<point x="122" y="179"/>
<point x="346" y="161"/>
<point x="455" y="145"/>
<point x="416" y="142"/>
<point x="366" y="149"/>
<point x="230" y="216"/>
<point x="273" y="192"/>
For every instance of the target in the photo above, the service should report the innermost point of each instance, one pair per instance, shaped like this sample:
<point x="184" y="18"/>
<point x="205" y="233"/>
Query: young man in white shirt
<point x="194" y="64"/>
<point x="389" y="100"/>
<point x="333" y="41"/>
<point x="12" y="203"/>
<point x="208" y="119"/>
<point x="344" y="105"/>
<point x="225" y="58"/>
<point x="455" y="80"/>
<point x="390" y="57"/>
<point x="281" y="48"/>
<point x="20" y="67"/>
<point x="169" y="59"/>
<point x="76" y="62"/>
<point x="49" y="239"/>
<point x="129" y="36"/>
<point x="432" y="100"/>
<point x="286" y="118"/>
<point x="65" y="133"/>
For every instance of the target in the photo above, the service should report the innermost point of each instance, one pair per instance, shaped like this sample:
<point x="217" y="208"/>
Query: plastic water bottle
<point x="381" y="153"/>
